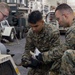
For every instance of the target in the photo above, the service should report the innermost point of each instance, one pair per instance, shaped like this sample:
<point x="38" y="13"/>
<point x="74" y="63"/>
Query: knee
<point x="66" y="54"/>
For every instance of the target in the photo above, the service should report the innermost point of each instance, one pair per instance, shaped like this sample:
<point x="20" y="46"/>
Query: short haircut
<point x="34" y="17"/>
<point x="65" y="7"/>
<point x="4" y="6"/>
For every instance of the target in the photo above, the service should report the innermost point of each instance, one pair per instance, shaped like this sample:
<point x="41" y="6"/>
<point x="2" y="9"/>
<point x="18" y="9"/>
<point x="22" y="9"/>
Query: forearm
<point x="54" y="54"/>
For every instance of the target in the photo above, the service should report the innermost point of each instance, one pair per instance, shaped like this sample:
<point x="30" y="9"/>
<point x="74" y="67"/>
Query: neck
<point x="71" y="20"/>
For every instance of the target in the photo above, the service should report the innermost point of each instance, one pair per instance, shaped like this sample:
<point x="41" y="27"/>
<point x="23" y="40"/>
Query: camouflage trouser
<point x="41" y="72"/>
<point x="68" y="63"/>
<point x="37" y="72"/>
<point x="53" y="73"/>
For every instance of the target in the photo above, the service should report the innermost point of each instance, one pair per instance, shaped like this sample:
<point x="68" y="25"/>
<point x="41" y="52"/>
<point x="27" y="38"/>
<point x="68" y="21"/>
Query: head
<point x="64" y="15"/>
<point x="35" y="21"/>
<point x="4" y="11"/>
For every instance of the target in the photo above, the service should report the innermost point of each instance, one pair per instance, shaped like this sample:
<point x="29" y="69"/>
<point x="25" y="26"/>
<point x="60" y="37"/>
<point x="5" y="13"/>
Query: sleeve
<point x="29" y="46"/>
<point x="55" y="54"/>
<point x="70" y="39"/>
<point x="56" y="51"/>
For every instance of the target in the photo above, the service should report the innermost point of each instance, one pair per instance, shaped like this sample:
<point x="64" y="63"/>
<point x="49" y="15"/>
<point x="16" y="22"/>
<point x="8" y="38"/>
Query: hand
<point x="33" y="63"/>
<point x="39" y="57"/>
<point x="25" y="62"/>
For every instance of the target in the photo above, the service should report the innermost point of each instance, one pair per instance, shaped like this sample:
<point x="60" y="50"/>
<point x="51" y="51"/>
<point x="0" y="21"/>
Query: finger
<point x="32" y="53"/>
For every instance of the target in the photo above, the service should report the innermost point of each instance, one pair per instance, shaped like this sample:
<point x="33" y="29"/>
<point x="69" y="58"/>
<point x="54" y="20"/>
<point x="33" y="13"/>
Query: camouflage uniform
<point x="44" y="41"/>
<point x="68" y="63"/>
<point x="68" y="59"/>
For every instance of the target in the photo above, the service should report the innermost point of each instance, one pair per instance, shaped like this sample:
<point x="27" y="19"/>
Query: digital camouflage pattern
<point x="52" y="51"/>
<point x="45" y="41"/>
<point x="68" y="59"/>
<point x="68" y="63"/>
<point x="70" y="36"/>
<point x="38" y="72"/>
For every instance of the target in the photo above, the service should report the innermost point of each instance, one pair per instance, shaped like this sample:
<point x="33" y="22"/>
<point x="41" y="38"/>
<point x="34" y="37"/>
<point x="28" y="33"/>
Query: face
<point x="4" y="15"/>
<point x="37" y="27"/>
<point x="61" y="18"/>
